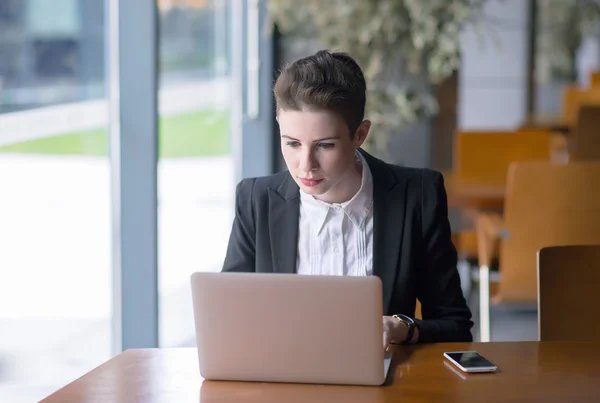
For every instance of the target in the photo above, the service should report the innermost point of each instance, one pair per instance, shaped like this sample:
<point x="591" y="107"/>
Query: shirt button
<point x="336" y="249"/>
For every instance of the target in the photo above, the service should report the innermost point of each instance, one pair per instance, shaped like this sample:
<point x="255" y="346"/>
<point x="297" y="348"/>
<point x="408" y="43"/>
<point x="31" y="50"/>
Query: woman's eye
<point x="293" y="144"/>
<point x="326" y="145"/>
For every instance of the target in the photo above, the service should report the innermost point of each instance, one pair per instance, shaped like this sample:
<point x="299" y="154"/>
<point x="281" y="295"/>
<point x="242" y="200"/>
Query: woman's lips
<point x="310" y="182"/>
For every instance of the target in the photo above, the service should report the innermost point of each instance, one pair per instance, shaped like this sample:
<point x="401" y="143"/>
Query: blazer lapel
<point x="389" y="204"/>
<point x="284" y="208"/>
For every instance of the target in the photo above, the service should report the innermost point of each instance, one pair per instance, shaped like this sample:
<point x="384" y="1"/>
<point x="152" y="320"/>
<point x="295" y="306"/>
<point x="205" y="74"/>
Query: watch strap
<point x="408" y="321"/>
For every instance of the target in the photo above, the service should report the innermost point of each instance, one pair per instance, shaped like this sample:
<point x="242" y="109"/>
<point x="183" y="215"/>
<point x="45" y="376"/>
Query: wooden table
<point x="528" y="371"/>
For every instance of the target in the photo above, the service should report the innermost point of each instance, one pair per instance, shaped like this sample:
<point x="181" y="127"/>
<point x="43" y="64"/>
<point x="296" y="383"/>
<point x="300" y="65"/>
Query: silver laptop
<point x="289" y="328"/>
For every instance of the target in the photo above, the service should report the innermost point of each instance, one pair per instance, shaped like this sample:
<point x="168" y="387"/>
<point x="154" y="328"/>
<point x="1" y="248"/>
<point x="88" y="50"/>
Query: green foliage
<point x="562" y="26"/>
<point x="405" y="47"/>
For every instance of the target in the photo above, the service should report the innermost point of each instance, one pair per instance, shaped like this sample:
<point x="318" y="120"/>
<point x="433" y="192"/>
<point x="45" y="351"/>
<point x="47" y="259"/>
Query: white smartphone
<point x="470" y="361"/>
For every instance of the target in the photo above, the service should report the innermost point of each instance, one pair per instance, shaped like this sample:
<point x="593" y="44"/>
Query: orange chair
<point x="546" y="204"/>
<point x="568" y="278"/>
<point x="585" y="138"/>
<point x="595" y="78"/>
<point x="483" y="157"/>
<point x="574" y="97"/>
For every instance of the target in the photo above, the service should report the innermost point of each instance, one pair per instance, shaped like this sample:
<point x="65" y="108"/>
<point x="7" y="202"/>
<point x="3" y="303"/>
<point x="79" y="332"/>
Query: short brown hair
<point x="330" y="81"/>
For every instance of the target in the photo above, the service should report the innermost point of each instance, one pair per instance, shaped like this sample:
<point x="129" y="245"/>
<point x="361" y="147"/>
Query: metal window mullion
<point x="133" y="140"/>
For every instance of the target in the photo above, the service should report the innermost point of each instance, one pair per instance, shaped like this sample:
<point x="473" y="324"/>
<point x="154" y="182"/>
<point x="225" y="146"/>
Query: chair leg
<point x="484" y="303"/>
<point x="464" y="272"/>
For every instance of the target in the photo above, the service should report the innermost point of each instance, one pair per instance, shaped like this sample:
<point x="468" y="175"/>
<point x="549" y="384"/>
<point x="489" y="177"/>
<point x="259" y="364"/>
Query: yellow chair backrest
<point x="546" y="205"/>
<point x="574" y="97"/>
<point x="484" y="157"/>
<point x="595" y="78"/>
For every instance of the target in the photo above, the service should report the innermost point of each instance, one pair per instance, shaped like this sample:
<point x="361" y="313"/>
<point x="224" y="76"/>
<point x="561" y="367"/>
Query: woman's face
<point x="320" y="154"/>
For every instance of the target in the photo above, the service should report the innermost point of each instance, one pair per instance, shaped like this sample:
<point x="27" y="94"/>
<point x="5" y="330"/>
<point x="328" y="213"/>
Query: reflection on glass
<point x="55" y="315"/>
<point x="195" y="170"/>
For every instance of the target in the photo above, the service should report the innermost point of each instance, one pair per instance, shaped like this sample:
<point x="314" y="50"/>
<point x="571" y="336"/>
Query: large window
<point x="55" y="271"/>
<point x="77" y="173"/>
<point x="196" y="167"/>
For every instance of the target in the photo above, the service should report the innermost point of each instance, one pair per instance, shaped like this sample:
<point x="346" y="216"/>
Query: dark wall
<point x="444" y="125"/>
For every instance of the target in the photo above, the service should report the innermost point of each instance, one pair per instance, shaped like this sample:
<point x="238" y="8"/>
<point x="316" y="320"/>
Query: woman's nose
<point x="308" y="162"/>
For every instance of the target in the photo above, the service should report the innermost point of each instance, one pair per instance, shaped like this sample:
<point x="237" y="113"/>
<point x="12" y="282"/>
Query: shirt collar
<point x="356" y="209"/>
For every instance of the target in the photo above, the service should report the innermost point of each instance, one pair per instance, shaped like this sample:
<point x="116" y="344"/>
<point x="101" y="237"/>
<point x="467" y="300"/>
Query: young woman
<point x="339" y="211"/>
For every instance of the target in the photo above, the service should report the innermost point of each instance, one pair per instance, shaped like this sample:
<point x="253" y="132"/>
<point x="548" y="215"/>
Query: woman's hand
<point x="394" y="331"/>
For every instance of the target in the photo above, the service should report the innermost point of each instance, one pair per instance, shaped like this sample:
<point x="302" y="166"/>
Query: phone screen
<point x="470" y="359"/>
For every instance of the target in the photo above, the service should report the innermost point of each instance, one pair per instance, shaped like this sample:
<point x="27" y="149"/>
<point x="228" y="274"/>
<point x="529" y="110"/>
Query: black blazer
<point x="413" y="252"/>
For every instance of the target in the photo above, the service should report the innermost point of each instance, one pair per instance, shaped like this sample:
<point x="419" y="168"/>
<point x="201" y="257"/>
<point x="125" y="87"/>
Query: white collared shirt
<point x="337" y="239"/>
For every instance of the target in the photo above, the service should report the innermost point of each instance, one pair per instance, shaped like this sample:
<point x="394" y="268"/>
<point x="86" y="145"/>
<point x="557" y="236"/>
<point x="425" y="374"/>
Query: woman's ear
<point x="362" y="132"/>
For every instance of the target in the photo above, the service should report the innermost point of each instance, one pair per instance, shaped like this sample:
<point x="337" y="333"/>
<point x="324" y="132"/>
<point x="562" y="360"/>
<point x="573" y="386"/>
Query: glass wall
<point x="56" y="239"/>
<point x="55" y="272"/>
<point x="196" y="168"/>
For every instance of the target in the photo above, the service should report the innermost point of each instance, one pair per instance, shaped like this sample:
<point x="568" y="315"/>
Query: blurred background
<point x="465" y="87"/>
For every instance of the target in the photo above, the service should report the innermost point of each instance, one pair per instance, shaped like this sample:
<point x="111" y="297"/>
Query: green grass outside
<point x="197" y="134"/>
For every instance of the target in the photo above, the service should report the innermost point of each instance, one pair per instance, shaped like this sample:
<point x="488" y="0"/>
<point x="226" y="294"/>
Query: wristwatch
<point x="408" y="321"/>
